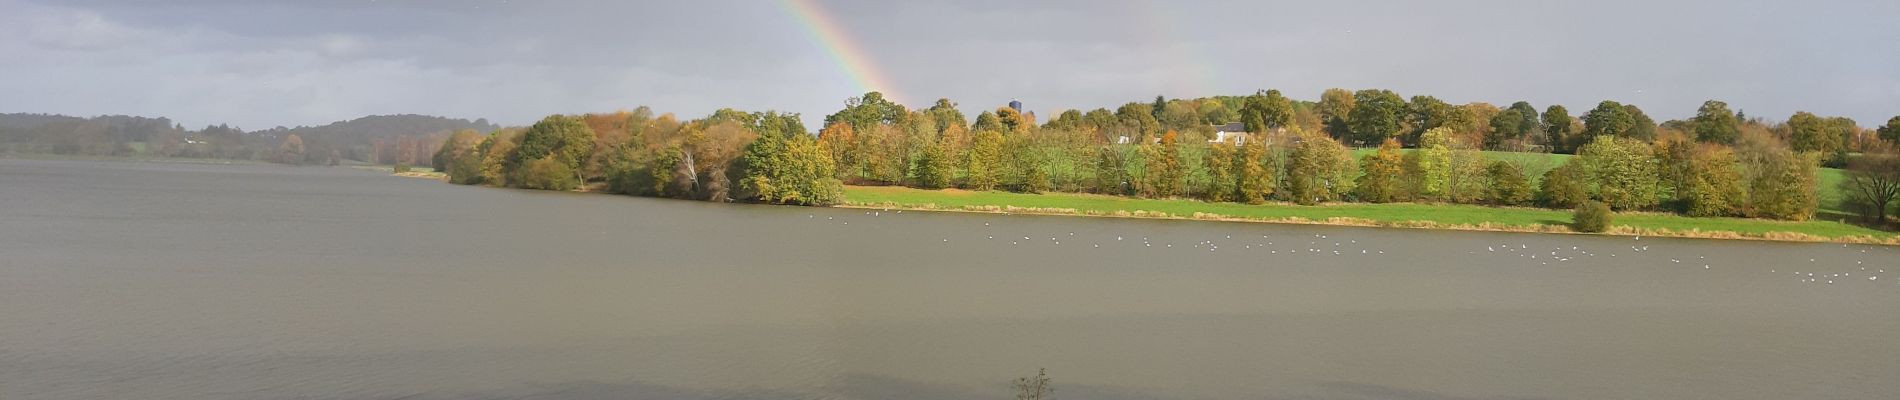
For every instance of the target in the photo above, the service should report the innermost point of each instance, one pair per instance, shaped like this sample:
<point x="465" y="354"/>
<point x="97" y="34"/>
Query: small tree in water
<point x="1035" y="387"/>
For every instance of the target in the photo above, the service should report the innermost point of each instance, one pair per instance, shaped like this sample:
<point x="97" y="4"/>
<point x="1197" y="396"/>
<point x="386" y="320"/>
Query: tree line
<point x="1719" y="163"/>
<point x="380" y="139"/>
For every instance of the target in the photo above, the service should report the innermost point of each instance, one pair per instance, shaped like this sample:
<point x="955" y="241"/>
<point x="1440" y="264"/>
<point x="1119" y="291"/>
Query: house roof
<point x="1231" y="127"/>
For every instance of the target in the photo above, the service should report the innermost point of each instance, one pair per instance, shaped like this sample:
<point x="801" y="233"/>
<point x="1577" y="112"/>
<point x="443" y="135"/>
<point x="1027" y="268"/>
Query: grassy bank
<point x="1444" y="216"/>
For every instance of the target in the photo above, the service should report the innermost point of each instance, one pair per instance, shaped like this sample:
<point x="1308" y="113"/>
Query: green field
<point x="1395" y="214"/>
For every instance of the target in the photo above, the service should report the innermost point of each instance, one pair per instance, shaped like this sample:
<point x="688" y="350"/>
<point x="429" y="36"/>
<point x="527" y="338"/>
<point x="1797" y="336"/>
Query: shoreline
<point x="1615" y="230"/>
<point x="1892" y="239"/>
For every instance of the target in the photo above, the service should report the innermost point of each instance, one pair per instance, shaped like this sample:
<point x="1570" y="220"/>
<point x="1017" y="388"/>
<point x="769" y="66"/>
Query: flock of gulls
<point x="1812" y="270"/>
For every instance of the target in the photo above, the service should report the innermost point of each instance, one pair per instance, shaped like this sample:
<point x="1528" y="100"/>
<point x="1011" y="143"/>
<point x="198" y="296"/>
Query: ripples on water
<point x="126" y="280"/>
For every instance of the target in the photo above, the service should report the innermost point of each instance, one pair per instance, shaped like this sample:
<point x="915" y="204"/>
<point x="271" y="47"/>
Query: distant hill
<point x="374" y="139"/>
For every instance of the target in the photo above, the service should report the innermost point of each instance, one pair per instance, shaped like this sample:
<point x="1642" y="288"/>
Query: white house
<point x="1233" y="132"/>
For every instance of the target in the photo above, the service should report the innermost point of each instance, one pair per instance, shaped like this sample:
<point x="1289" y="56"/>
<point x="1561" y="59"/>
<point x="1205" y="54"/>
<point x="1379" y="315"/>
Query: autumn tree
<point x="1620" y="172"/>
<point x="1382" y="175"/>
<point x="1714" y="185"/>
<point x="1782" y="184"/>
<point x="291" y="150"/>
<point x="1507" y="185"/>
<point x="985" y="163"/>
<point x="1167" y="173"/>
<point x="1012" y="121"/>
<point x="460" y="157"/>
<point x="1255" y="174"/>
<point x="1319" y="170"/>
<point x="1219" y="163"/>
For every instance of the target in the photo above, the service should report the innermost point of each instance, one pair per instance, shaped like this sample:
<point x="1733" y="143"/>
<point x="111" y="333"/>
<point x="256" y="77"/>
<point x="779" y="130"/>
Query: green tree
<point x="1253" y="170"/>
<point x="1891" y="131"/>
<point x="1266" y="110"/>
<point x="1608" y="119"/>
<point x="988" y="122"/>
<point x="1139" y="119"/>
<point x="1812" y="133"/>
<point x="788" y="167"/>
<point x="1335" y="112"/>
<point x="1505" y="125"/>
<point x="1160" y="104"/>
<point x="1424" y="113"/>
<point x="1213" y="113"/>
<point x="1641" y="126"/>
<point x="566" y="139"/>
<point x="934" y="166"/>
<point x="1428" y="170"/>
<point x="870" y="109"/>
<point x="1557" y="128"/>
<point x="1381" y="177"/>
<point x="945" y="114"/>
<point x="1376" y="115"/>
<point x="1507" y="185"/>
<point x="549" y="173"/>
<point x="1527" y="125"/>
<point x="1873" y="183"/>
<point x="1715" y="124"/>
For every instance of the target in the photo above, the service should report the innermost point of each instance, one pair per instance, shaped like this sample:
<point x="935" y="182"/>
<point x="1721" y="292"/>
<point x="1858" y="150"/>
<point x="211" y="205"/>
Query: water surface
<point x="158" y="281"/>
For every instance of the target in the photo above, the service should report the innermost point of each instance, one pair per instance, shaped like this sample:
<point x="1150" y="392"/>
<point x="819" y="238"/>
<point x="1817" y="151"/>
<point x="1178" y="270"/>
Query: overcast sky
<point x="264" y="63"/>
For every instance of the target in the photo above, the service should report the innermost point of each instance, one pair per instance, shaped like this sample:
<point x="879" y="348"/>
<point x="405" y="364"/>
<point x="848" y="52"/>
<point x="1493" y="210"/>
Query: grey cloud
<point x="264" y="63"/>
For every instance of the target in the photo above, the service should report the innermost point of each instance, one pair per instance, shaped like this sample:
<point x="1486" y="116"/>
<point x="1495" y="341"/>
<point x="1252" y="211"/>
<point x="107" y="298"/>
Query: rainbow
<point x="849" y="55"/>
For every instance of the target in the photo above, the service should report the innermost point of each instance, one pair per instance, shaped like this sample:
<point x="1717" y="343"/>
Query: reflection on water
<point x="125" y="280"/>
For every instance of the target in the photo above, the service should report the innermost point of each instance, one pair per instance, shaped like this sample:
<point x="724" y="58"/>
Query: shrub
<point x="1591" y="216"/>
<point x="402" y="167"/>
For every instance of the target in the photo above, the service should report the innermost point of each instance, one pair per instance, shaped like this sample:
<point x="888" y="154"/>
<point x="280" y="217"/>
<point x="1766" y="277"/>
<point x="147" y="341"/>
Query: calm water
<point x="161" y="281"/>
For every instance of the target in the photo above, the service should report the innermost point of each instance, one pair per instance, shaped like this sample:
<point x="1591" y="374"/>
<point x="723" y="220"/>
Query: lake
<point x="123" y="280"/>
